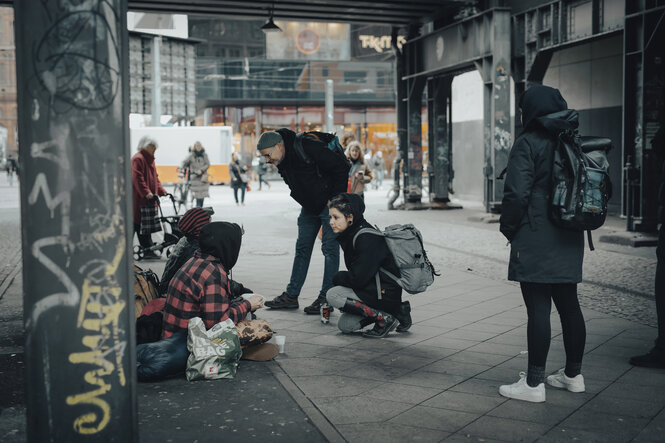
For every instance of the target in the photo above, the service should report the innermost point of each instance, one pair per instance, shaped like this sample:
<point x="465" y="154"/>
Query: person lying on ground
<point x="190" y="225"/>
<point x="201" y="287"/>
<point x="355" y="291"/>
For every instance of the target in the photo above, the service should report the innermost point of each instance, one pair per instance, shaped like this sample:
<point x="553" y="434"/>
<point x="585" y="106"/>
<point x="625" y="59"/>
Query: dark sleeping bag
<point x="149" y="328"/>
<point x="163" y="358"/>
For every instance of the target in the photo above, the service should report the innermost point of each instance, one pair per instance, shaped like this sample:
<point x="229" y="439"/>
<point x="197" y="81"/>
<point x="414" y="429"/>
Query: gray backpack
<point x="406" y="246"/>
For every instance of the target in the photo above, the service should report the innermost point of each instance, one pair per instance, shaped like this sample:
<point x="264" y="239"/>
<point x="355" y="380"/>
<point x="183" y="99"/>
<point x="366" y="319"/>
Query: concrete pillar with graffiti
<point x="75" y="218"/>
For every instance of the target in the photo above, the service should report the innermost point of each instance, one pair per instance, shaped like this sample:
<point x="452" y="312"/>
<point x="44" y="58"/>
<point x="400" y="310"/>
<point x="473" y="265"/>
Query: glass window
<point x="580" y="20"/>
<point x="355" y="77"/>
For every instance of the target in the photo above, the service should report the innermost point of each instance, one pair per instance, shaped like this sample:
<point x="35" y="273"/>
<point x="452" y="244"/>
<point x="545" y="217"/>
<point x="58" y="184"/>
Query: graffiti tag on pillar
<point x="501" y="138"/>
<point x="77" y="59"/>
<point x="99" y="314"/>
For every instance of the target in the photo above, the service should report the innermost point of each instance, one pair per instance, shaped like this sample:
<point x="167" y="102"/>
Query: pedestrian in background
<point x="239" y="178"/>
<point x="198" y="164"/>
<point x="313" y="181"/>
<point x="360" y="173"/>
<point x="378" y="165"/>
<point x="347" y="138"/>
<point x="655" y="358"/>
<point x="12" y="168"/>
<point x="545" y="259"/>
<point x="145" y="190"/>
<point x="263" y="170"/>
<point x="355" y="292"/>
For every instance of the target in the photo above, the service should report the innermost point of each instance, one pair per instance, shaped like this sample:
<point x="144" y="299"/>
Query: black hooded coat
<point x="364" y="260"/>
<point x="222" y="240"/>
<point x="312" y="185"/>
<point x="540" y="251"/>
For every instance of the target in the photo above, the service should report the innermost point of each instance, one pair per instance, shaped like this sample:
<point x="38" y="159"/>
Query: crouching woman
<point x="355" y="290"/>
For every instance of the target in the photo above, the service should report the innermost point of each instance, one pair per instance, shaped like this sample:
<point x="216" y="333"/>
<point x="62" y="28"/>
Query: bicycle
<point x="182" y="192"/>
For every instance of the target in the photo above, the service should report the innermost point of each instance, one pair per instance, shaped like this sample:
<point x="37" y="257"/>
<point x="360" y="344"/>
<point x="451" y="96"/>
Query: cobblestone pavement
<point x="617" y="279"/>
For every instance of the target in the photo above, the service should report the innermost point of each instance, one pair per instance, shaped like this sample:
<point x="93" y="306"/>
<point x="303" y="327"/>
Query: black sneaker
<point x="282" y="302"/>
<point x="652" y="359"/>
<point x="404" y="317"/>
<point x="389" y="324"/>
<point x="315" y="308"/>
<point x="150" y="255"/>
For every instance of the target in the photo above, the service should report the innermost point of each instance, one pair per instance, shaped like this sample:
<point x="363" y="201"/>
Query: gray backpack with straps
<point x="406" y="246"/>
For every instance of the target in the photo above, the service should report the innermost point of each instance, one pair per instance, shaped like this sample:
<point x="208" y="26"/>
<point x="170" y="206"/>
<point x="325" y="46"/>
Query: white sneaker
<point x="561" y="380"/>
<point x="522" y="391"/>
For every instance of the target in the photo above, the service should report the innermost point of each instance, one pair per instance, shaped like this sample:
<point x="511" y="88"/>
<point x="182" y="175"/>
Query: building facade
<point x="261" y="82"/>
<point x="8" y="106"/>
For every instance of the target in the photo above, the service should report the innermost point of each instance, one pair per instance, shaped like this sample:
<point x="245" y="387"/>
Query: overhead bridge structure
<point x="72" y="70"/>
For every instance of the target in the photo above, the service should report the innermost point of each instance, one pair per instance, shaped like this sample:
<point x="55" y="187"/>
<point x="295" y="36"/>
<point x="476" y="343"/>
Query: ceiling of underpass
<point x="393" y="12"/>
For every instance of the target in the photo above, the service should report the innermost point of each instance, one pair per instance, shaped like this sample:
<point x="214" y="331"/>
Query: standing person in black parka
<point x="238" y="174"/>
<point x="355" y="291"/>
<point x="545" y="259"/>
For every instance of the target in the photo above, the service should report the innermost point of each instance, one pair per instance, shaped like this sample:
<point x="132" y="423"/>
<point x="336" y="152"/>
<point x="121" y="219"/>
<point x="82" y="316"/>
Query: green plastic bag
<point x="214" y="353"/>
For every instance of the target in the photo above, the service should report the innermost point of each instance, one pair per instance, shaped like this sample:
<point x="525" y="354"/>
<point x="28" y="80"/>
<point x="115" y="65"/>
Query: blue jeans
<point x="308" y="228"/>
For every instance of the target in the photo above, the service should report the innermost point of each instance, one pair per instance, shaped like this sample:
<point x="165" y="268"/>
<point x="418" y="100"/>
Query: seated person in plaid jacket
<point x="190" y="225"/>
<point x="200" y="288"/>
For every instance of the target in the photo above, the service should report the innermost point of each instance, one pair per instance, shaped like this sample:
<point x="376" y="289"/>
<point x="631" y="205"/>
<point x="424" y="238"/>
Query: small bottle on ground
<point x="325" y="313"/>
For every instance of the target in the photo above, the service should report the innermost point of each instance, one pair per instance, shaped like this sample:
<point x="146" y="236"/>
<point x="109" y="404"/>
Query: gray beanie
<point x="268" y="140"/>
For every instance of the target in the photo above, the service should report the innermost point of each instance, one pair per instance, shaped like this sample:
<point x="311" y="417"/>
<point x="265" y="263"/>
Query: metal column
<point x="401" y="143"/>
<point x="330" y="107"/>
<point x="156" y="81"/>
<point x="495" y="71"/>
<point x="76" y="220"/>
<point x="643" y="138"/>
<point x="413" y="170"/>
<point x="439" y="110"/>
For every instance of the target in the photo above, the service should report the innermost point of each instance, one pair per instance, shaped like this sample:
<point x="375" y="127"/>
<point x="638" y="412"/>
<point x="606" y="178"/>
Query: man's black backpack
<point x="330" y="140"/>
<point x="581" y="185"/>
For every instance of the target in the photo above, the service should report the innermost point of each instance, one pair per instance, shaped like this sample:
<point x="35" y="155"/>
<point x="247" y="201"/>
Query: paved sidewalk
<point x="437" y="382"/>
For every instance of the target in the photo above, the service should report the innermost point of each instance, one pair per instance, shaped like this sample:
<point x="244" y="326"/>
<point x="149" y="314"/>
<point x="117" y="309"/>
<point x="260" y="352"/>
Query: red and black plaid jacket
<point x="200" y="289"/>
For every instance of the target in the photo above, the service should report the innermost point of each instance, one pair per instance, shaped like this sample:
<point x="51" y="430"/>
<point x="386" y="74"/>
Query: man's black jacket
<point x="312" y="185"/>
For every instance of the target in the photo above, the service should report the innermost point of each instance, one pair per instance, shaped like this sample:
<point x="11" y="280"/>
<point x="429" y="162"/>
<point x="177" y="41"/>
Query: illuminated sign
<point x="308" y="41"/>
<point x="379" y="43"/>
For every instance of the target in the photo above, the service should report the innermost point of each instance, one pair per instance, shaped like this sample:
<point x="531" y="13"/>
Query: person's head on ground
<point x="193" y="221"/>
<point x="222" y="240"/>
<point x="271" y="147"/>
<point x="354" y="152"/>
<point x="346" y="139"/>
<point x="198" y="148"/>
<point x="345" y="210"/>
<point x="147" y="144"/>
<point x="538" y="101"/>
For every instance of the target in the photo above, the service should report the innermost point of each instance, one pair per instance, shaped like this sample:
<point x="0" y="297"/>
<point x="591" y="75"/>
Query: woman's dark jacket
<point x="312" y="184"/>
<point x="364" y="260"/>
<point x="540" y="251"/>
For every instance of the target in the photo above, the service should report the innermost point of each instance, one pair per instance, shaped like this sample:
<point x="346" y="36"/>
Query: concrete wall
<point x="468" y="182"/>
<point x="590" y="78"/>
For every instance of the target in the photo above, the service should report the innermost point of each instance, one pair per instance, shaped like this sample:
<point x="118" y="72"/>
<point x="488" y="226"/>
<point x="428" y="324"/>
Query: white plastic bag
<point x="214" y="353"/>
